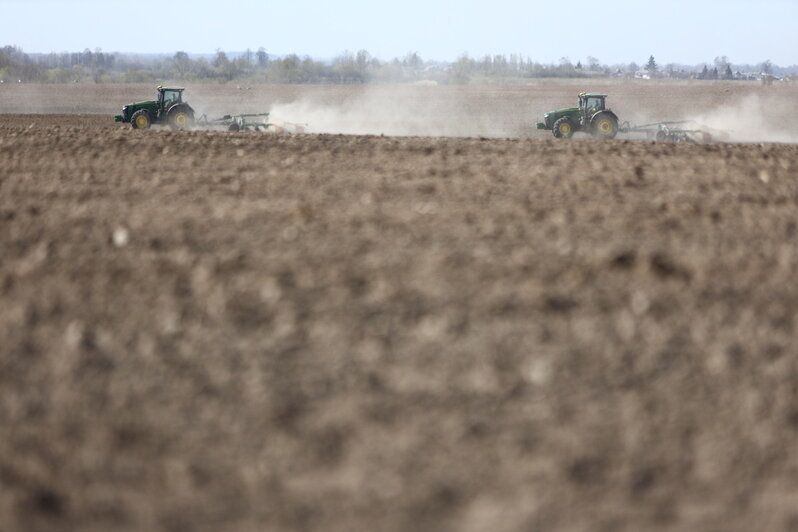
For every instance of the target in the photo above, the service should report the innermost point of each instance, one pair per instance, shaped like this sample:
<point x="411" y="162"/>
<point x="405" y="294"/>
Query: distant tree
<point x="241" y="66"/>
<point x="262" y="57"/>
<point x="766" y="67"/>
<point x="723" y="66"/>
<point x="651" y="66"/>
<point x="363" y="59"/>
<point x="203" y="69"/>
<point x="345" y="69"/>
<point x="486" y="65"/>
<point x="579" y="65"/>
<point x="57" y="75"/>
<point x="499" y="65"/>
<point x="412" y="60"/>
<point x="671" y="70"/>
<point x="225" y="68"/>
<point x="592" y="63"/>
<point x="714" y="74"/>
<point x="78" y="73"/>
<point x="221" y="60"/>
<point x="182" y="64"/>
<point x="462" y="69"/>
<point x="632" y="68"/>
<point x="285" y="70"/>
<point x="704" y="73"/>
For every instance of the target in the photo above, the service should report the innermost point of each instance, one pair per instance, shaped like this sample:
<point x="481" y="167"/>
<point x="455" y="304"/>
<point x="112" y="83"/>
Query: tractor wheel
<point x="563" y="128"/>
<point x="233" y="127"/>
<point x="141" y="119"/>
<point x="180" y="118"/>
<point x="605" y="126"/>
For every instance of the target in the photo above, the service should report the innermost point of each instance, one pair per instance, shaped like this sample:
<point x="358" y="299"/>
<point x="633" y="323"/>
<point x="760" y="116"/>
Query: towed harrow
<point x="675" y="131"/>
<point x="250" y="122"/>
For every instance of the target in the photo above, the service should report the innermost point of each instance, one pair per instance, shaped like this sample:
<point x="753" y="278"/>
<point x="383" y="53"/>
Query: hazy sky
<point x="614" y="31"/>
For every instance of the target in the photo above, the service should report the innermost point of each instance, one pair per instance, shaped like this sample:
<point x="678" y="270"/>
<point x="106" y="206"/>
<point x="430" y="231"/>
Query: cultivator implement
<point x="674" y="131"/>
<point x="250" y="122"/>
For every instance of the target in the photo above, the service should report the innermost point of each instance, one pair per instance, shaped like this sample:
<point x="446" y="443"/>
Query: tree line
<point x="346" y="68"/>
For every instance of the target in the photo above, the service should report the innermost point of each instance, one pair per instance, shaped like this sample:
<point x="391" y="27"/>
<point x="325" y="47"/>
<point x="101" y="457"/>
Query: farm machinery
<point x="169" y="109"/>
<point x="675" y="131"/>
<point x="250" y="122"/>
<point x="593" y="117"/>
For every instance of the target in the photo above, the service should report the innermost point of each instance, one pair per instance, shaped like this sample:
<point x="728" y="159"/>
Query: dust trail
<point x="754" y="118"/>
<point x="399" y="111"/>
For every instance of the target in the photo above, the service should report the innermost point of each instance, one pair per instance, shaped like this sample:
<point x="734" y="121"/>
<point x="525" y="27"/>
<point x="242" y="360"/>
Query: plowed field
<point x="213" y="331"/>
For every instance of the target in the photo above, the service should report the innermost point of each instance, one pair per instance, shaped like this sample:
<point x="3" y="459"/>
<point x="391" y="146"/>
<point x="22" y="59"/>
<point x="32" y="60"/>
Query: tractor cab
<point x="590" y="104"/>
<point x="167" y="97"/>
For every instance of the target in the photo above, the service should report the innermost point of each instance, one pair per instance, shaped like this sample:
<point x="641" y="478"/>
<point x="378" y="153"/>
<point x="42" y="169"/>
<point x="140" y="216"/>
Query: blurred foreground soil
<point x="210" y="331"/>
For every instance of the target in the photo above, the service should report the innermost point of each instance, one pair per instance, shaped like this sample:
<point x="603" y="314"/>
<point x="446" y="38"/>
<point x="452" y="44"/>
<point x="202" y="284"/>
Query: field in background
<point x="235" y="331"/>
<point x="751" y="112"/>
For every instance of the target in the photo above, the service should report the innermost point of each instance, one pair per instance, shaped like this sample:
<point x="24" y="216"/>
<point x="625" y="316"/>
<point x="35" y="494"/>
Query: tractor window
<point x="170" y="97"/>
<point x="595" y="103"/>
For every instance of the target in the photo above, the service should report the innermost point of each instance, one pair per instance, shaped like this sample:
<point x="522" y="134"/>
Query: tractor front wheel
<point x="605" y="126"/>
<point x="180" y="118"/>
<point x="141" y="119"/>
<point x="563" y="128"/>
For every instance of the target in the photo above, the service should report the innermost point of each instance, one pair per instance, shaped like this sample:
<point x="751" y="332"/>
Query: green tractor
<point x="169" y="109"/>
<point x="591" y="116"/>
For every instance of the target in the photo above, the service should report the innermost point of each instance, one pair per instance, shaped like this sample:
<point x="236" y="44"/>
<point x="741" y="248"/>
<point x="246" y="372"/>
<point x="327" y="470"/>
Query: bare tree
<point x="263" y="57"/>
<point x="182" y="64"/>
<point x="412" y="60"/>
<point x="362" y="58"/>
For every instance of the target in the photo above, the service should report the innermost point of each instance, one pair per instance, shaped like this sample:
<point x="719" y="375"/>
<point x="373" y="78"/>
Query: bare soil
<point x="244" y="332"/>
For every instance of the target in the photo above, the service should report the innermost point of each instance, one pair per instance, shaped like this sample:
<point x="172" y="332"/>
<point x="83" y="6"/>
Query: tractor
<point x="591" y="116"/>
<point x="169" y="109"/>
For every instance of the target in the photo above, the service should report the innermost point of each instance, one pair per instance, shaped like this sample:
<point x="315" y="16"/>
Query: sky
<point x="614" y="31"/>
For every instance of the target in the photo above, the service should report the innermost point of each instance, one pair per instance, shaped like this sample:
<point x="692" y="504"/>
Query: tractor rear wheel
<point x="605" y="126"/>
<point x="141" y="119"/>
<point x="563" y="128"/>
<point x="180" y="118"/>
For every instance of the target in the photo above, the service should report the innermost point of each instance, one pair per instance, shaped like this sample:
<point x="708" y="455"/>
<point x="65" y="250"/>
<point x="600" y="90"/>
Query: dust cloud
<point x="753" y="118"/>
<point x="397" y="111"/>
